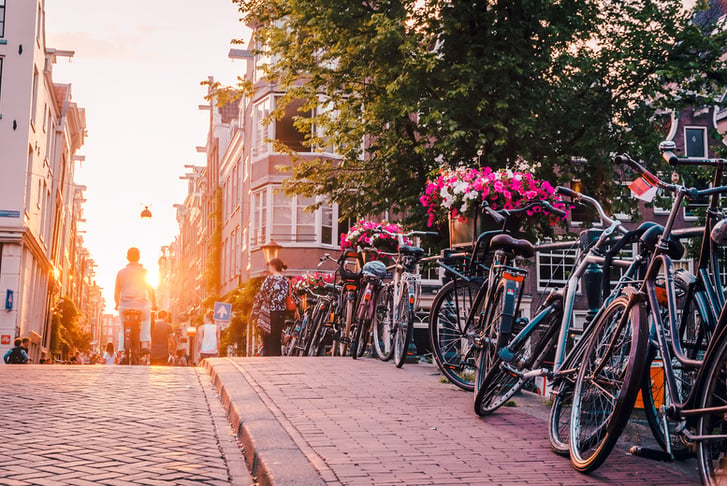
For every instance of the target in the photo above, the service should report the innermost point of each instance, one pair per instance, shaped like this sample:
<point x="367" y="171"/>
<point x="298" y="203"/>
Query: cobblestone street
<point x="114" y="425"/>
<point x="296" y="421"/>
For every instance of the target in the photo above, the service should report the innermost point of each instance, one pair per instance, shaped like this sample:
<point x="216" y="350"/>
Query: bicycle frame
<point x="708" y="294"/>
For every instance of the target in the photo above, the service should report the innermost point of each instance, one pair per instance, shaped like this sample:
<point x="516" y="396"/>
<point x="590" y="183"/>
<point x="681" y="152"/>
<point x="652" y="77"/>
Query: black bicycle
<point x="466" y="312"/>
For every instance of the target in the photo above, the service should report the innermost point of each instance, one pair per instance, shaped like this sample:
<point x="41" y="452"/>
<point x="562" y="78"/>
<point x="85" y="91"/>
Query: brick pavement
<point x="115" y="425"/>
<point x="340" y="421"/>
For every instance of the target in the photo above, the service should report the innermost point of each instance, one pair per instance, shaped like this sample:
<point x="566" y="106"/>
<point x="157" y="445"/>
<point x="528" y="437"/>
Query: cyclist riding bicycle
<point x="133" y="292"/>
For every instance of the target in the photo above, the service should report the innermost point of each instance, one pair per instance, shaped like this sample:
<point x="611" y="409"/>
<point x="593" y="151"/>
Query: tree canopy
<point x="403" y="87"/>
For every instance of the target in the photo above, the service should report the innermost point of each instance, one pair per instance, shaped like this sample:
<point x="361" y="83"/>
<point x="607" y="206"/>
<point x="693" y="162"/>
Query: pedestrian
<point x="269" y="307"/>
<point x="179" y="358"/>
<point x="208" y="337"/>
<point x="17" y="354"/>
<point x="162" y="339"/>
<point x="109" y="357"/>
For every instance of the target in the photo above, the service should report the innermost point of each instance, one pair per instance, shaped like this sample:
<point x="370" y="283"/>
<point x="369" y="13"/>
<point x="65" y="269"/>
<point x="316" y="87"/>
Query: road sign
<point x="223" y="311"/>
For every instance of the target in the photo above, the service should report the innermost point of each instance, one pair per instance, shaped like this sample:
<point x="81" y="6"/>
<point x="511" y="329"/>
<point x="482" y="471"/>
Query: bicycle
<point x="347" y="279"/>
<point x="373" y="274"/>
<point x="608" y="380"/>
<point x="324" y="321"/>
<point x="131" y="321"/>
<point x="459" y="319"/>
<point x="394" y="329"/>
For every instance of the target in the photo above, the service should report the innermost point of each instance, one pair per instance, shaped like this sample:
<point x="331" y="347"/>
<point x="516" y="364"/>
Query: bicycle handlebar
<point x="605" y="218"/>
<point x="500" y="215"/>
<point x="691" y="192"/>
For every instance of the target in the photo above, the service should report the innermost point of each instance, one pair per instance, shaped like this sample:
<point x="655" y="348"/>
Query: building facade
<point x="41" y="131"/>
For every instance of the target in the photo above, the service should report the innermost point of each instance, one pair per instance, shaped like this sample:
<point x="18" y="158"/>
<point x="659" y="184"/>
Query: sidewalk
<point x="317" y="421"/>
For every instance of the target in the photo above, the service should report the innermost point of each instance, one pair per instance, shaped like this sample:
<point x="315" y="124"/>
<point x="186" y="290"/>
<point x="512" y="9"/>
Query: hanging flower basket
<point x="366" y="234"/>
<point x="457" y="194"/>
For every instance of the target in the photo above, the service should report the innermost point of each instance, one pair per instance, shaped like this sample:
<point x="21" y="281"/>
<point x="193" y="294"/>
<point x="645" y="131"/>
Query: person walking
<point x="269" y="307"/>
<point x="208" y="337"/>
<point x="162" y="340"/>
<point x="109" y="357"/>
<point x="17" y="354"/>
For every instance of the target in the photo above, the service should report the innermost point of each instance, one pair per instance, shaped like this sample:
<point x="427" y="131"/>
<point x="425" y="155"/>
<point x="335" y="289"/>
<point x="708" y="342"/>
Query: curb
<point x="271" y="454"/>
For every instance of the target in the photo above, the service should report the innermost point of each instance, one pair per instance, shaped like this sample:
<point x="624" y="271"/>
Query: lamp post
<point x="271" y="250"/>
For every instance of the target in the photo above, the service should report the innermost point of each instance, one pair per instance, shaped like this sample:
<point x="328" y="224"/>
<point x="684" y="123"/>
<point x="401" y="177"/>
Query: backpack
<point x="16" y="356"/>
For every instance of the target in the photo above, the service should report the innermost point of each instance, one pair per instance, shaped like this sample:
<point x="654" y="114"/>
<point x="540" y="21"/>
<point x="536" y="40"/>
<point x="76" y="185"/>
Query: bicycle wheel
<point x="449" y="334"/>
<point x="346" y="324"/>
<point x="306" y="332"/>
<point x="655" y="396"/>
<point x="488" y="336"/>
<point x="384" y="328"/>
<point x="404" y="327"/>
<point x="608" y="382"/>
<point x="317" y="345"/>
<point x="712" y="450"/>
<point x="559" y="419"/>
<point x="359" y="341"/>
<point x="500" y="384"/>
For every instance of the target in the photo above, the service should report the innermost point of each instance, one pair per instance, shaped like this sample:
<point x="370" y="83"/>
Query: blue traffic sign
<point x="223" y="311"/>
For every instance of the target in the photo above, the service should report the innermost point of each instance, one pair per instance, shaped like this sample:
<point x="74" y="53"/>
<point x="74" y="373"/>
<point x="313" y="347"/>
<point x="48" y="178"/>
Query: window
<point x="34" y="106"/>
<point x="695" y="141"/>
<point x="260" y="144"/>
<point x="285" y="130"/>
<point x="2" y="20"/>
<point x="288" y="221"/>
<point x="259" y="218"/>
<point x="554" y="267"/>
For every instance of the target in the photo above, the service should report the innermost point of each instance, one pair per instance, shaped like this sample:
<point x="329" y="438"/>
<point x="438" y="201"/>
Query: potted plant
<point x="456" y="195"/>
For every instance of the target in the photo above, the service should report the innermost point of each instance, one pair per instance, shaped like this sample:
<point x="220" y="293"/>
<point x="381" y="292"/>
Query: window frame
<point x="3" y="10"/>
<point x="705" y="148"/>
<point x="568" y="258"/>
<point x="263" y="215"/>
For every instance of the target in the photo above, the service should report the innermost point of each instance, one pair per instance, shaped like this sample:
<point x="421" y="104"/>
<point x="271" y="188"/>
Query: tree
<point x="66" y="333"/>
<point x="434" y="82"/>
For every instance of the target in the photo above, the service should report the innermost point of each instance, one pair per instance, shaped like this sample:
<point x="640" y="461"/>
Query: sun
<point x="152" y="277"/>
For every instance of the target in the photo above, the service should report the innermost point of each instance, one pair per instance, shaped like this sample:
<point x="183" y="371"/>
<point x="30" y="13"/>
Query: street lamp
<point x="271" y="250"/>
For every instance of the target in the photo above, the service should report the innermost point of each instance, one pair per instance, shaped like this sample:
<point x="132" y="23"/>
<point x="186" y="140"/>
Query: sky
<point x="137" y="70"/>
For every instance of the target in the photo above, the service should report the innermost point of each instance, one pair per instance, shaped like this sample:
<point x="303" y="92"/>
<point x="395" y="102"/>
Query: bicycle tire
<point x="559" y="419"/>
<point x="499" y="384"/>
<point x="489" y="336"/>
<point x="384" y="329"/>
<point x="448" y="332"/>
<point x="345" y="335"/>
<point x="653" y="392"/>
<point x="712" y="453"/>
<point x="404" y="327"/>
<point x="315" y="347"/>
<point x="358" y="345"/>
<point x="608" y="381"/>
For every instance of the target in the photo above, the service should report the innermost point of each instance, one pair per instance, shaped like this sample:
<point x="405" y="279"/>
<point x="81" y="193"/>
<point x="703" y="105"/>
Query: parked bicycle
<point x="373" y="274"/>
<point x="464" y="311"/>
<point x="394" y="328"/>
<point x="611" y="374"/>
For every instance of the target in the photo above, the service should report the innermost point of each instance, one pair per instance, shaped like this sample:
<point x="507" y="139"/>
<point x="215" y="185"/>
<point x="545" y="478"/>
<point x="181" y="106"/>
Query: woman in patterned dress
<point x="269" y="307"/>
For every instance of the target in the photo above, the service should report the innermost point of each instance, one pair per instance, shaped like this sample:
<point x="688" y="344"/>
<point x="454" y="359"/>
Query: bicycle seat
<point x="651" y="237"/>
<point x="374" y="269"/>
<point x="719" y="233"/>
<point x="521" y="248"/>
<point x="411" y="251"/>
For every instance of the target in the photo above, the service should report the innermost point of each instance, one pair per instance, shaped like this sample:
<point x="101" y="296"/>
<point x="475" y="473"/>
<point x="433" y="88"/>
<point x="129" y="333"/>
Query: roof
<point x="229" y="111"/>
